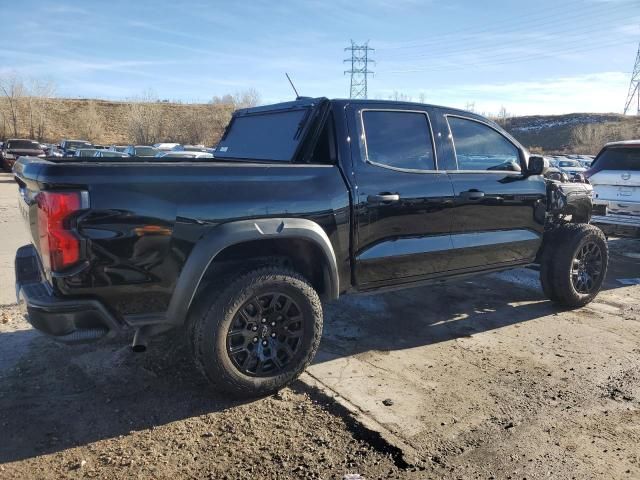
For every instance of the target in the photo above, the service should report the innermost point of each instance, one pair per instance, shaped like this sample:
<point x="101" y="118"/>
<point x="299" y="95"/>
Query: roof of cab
<point x="624" y="143"/>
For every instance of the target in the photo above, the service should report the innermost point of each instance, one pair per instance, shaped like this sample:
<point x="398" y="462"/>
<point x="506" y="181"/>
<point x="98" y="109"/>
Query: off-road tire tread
<point x="226" y="303"/>
<point x="555" y="279"/>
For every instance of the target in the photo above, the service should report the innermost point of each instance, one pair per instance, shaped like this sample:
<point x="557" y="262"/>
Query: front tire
<point x="259" y="333"/>
<point x="574" y="264"/>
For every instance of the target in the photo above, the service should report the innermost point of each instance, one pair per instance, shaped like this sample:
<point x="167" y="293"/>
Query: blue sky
<point x="544" y="56"/>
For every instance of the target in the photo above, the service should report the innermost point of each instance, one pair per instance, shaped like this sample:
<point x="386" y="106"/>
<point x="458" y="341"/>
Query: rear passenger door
<point x="401" y="200"/>
<point x="493" y="219"/>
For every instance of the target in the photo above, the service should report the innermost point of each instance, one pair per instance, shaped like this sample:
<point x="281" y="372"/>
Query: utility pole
<point x="634" y="86"/>
<point x="359" y="68"/>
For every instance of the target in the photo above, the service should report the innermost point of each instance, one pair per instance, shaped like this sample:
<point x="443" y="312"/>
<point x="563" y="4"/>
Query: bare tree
<point x="503" y="116"/>
<point x="88" y="123"/>
<point x="39" y="91"/>
<point x="400" y="97"/>
<point x="145" y="121"/>
<point x="13" y="90"/>
<point x="244" y="99"/>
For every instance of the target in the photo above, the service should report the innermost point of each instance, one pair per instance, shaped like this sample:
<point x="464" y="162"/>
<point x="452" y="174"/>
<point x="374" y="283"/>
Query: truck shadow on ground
<point x="426" y="315"/>
<point x="54" y="397"/>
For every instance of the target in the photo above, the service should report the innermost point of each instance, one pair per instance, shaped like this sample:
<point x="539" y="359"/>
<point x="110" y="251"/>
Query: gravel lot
<point x="478" y="379"/>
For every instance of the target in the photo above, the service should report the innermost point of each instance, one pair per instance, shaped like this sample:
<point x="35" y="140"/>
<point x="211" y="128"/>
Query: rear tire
<point x="259" y="333"/>
<point x="574" y="264"/>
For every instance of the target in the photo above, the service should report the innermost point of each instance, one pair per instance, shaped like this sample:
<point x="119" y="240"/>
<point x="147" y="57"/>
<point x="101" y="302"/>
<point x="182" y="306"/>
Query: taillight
<point x="59" y="246"/>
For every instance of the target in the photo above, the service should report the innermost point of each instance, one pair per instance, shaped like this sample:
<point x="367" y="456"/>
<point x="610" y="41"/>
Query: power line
<point x="532" y="22"/>
<point x="506" y="59"/>
<point x="576" y="36"/>
<point x="634" y="86"/>
<point x="359" y="68"/>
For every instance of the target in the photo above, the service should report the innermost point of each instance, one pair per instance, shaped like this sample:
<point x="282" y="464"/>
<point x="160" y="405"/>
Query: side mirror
<point x="537" y="165"/>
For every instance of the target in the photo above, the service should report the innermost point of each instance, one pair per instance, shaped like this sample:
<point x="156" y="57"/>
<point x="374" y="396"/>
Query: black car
<point x="304" y="201"/>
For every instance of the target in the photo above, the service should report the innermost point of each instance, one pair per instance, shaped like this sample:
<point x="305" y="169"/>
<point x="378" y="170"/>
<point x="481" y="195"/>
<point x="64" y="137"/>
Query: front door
<point x="493" y="219"/>
<point x="402" y="201"/>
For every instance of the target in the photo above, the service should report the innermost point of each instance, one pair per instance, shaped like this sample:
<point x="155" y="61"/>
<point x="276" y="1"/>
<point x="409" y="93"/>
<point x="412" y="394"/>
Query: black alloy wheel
<point x="265" y="335"/>
<point x="586" y="268"/>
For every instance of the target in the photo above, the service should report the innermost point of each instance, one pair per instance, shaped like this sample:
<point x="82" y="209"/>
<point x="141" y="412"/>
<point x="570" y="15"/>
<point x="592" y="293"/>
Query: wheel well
<point x="303" y="256"/>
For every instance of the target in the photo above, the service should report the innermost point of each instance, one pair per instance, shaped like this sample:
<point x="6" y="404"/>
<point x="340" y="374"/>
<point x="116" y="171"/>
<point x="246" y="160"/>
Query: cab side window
<point x="398" y="139"/>
<point x="479" y="147"/>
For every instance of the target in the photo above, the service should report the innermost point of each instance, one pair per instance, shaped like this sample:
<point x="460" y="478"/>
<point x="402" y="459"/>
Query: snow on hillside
<point x="537" y="123"/>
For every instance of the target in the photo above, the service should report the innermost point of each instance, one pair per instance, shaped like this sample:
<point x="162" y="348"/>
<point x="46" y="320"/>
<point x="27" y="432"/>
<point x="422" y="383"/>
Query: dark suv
<point x="15" y="148"/>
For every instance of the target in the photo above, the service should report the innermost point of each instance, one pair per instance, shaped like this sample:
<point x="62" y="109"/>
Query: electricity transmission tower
<point x="359" y="69"/>
<point x="634" y="86"/>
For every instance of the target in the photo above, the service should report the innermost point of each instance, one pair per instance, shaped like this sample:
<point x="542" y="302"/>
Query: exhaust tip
<point x="139" y="344"/>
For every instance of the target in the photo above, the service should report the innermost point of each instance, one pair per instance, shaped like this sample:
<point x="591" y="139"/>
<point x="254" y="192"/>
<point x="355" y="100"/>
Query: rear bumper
<point x="69" y="320"/>
<point x="616" y="207"/>
<point x="616" y="224"/>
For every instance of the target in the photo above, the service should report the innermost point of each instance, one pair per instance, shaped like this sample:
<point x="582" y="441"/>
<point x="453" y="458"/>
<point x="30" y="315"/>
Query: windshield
<point x="618" y="159"/>
<point x="23" y="144"/>
<point x="270" y="136"/>
<point x="569" y="163"/>
<point x="75" y="145"/>
<point x="145" y="151"/>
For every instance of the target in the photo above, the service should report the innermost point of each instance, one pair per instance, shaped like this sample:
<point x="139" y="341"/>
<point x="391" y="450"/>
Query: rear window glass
<point x="26" y="144"/>
<point x="618" y="159"/>
<point x="77" y="144"/>
<point x="264" y="136"/>
<point x="398" y="139"/>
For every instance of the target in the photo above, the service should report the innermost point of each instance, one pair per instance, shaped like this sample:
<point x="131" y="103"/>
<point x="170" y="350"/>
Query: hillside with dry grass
<point x="572" y="133"/>
<point x="109" y="122"/>
<point x="149" y="121"/>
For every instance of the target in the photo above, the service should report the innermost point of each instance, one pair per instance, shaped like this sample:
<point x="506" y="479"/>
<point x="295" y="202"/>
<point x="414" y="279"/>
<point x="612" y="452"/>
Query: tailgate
<point x="26" y="175"/>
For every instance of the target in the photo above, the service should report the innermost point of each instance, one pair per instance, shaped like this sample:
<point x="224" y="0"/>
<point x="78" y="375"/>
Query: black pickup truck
<point x="303" y="202"/>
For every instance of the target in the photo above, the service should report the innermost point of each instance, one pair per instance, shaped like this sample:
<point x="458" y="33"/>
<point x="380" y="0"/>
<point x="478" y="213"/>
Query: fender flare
<point x="233" y="233"/>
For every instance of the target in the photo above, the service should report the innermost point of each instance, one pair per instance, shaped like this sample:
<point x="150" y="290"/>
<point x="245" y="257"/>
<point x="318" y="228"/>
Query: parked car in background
<point x="553" y="172"/>
<point x="100" y="147"/>
<point x="15" y="148"/>
<point x="184" y="154"/>
<point x="118" y="148"/>
<point x="166" y="146"/>
<point x="85" y="152"/>
<point x="586" y="160"/>
<point x="68" y="147"/>
<point x="110" y="154"/>
<point x="615" y="176"/>
<point x="141" y="151"/>
<point x="571" y="166"/>
<point x="195" y="148"/>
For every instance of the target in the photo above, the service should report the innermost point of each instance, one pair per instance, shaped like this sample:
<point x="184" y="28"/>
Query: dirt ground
<point x="477" y="379"/>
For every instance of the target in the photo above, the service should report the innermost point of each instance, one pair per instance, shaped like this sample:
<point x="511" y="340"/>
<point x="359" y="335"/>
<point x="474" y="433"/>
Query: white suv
<point x="615" y="176"/>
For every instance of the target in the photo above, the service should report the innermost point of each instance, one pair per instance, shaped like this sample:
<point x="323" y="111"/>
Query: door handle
<point x="472" y="195"/>
<point x="383" y="198"/>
